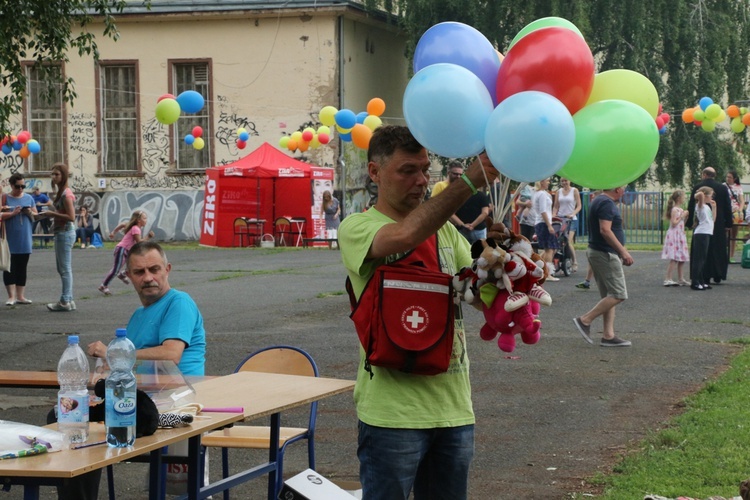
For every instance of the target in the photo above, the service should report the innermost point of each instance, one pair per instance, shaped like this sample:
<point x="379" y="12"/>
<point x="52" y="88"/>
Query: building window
<point x="44" y="116"/>
<point x="118" y="94"/>
<point x="193" y="75"/>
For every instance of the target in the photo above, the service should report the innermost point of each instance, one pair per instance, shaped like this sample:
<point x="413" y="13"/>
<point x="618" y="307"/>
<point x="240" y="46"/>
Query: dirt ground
<point x="550" y="417"/>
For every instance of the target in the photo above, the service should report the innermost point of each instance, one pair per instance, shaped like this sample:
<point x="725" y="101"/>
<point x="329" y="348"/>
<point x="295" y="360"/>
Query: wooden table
<point x="260" y="395"/>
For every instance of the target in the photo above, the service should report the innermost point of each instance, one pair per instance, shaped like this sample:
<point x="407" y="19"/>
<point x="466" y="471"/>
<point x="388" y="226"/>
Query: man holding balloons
<point x="416" y="432"/>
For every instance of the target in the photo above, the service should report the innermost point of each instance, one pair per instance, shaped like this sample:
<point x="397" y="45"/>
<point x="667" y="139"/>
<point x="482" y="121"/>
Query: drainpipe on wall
<point x="342" y="164"/>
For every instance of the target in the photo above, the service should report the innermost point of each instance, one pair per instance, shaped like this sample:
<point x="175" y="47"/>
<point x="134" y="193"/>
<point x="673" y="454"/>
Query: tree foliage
<point x="45" y="32"/>
<point x="687" y="48"/>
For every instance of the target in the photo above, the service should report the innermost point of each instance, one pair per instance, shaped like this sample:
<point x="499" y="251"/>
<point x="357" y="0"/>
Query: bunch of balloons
<point x="23" y="143"/>
<point x="662" y="119"/>
<point x="169" y="107"/>
<point x="539" y="110"/>
<point x="355" y="128"/>
<point x="195" y="138"/>
<point x="707" y="114"/>
<point x="242" y="137"/>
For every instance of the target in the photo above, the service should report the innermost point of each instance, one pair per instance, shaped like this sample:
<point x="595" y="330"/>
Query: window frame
<point x="26" y="120"/>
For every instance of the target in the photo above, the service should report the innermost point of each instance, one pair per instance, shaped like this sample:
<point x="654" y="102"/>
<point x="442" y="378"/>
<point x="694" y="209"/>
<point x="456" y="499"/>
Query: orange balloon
<point x="24" y="151"/>
<point x="292" y="144"/>
<point x="746" y="119"/>
<point x="376" y="107"/>
<point x="687" y="115"/>
<point x="361" y="135"/>
<point x="303" y="145"/>
<point x="733" y="111"/>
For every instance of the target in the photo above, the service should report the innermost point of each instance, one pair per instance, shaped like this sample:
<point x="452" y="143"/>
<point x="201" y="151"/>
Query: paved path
<point x="548" y="416"/>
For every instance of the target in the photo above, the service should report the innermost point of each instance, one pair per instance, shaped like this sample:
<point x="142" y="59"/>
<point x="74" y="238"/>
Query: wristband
<point x="469" y="183"/>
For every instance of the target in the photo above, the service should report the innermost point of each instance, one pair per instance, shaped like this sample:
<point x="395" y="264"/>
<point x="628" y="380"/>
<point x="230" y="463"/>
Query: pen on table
<point x="87" y="445"/>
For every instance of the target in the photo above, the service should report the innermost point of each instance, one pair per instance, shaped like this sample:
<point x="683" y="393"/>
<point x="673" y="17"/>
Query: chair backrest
<point x="282" y="221"/>
<point x="240" y="225"/>
<point x="282" y="359"/>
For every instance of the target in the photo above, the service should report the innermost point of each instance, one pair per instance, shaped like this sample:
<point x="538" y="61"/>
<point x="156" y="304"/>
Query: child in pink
<point x="132" y="236"/>
<point x="675" y="243"/>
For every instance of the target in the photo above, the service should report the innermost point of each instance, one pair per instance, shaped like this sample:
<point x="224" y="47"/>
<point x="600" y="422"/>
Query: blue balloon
<point x="361" y="116"/>
<point x="530" y="136"/>
<point x="190" y="101"/>
<point x="346" y="137"/>
<point x="457" y="43"/>
<point x="345" y="119"/>
<point x="189" y="139"/>
<point x="244" y="136"/>
<point x="34" y="146"/>
<point x="7" y="148"/>
<point x="17" y="145"/>
<point x="663" y="130"/>
<point x="446" y="107"/>
<point x="705" y="102"/>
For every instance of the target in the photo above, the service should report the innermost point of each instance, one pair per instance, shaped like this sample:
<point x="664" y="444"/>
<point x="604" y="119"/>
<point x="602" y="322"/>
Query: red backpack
<point x="404" y="317"/>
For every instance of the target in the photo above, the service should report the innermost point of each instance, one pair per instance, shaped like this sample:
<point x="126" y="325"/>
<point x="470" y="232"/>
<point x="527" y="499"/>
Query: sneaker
<point x="540" y="295"/>
<point x="585" y="285"/>
<point x="83" y="245"/>
<point x="24" y="301"/>
<point x="72" y="305"/>
<point x="584" y="329"/>
<point x="59" y="306"/>
<point x="707" y="287"/>
<point x="105" y="290"/>
<point x="552" y="278"/>
<point x="670" y="283"/>
<point x="615" y="342"/>
<point x="123" y="278"/>
<point x="10" y="302"/>
<point x="696" y="287"/>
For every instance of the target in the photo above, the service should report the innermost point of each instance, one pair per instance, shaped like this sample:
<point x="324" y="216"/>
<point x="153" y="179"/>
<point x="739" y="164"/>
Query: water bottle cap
<point x="121" y="332"/>
<point x="72" y="339"/>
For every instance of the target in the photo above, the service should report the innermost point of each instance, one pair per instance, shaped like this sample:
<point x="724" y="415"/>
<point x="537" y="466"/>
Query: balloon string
<point x="490" y="189"/>
<point x="514" y="198"/>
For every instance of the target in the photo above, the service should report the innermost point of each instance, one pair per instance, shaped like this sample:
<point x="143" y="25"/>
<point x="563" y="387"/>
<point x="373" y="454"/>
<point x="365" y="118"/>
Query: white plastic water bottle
<point x="73" y="397"/>
<point x="120" y="392"/>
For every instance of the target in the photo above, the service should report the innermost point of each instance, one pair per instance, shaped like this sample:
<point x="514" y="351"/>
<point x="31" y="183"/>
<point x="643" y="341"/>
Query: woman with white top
<point x="545" y="233"/>
<point x="567" y="205"/>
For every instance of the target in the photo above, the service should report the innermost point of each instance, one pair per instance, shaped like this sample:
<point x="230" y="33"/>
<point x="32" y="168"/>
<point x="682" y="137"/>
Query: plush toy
<point x="521" y="321"/>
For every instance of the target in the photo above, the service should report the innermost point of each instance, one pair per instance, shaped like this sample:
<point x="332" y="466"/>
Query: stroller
<point x="563" y="258"/>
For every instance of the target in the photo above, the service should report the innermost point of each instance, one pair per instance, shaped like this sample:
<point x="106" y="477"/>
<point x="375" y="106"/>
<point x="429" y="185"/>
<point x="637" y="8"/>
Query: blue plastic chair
<point x="282" y="359"/>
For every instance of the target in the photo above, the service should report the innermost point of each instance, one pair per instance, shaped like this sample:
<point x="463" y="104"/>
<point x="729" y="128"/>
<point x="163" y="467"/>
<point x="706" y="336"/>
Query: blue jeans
<point x="63" y="257"/>
<point x="434" y="462"/>
<point x="473" y="235"/>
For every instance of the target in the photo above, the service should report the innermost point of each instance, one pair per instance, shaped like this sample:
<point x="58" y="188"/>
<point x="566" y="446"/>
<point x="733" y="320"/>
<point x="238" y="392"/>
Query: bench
<point x="41" y="240"/>
<point x="308" y="241"/>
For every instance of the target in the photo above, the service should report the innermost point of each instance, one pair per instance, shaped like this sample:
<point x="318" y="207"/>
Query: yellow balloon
<point x="625" y="85"/>
<point x="315" y="143"/>
<point x="198" y="143"/>
<point x="297" y="136"/>
<point x="324" y="130"/>
<point x="283" y="142"/>
<point x="722" y="116"/>
<point x="372" y="122"/>
<point x="327" y="115"/>
<point x="343" y="130"/>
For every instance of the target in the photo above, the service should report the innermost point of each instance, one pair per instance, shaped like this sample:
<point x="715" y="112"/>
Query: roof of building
<point x="195" y="6"/>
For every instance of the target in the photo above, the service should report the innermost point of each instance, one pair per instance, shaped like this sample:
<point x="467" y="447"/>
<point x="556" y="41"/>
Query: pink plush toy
<point x="521" y="321"/>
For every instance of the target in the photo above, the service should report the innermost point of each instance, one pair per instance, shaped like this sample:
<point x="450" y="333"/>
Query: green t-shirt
<point x="392" y="398"/>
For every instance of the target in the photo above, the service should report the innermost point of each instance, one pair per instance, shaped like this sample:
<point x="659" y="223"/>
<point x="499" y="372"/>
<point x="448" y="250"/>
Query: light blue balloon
<point x="244" y="136"/>
<point x="530" y="136"/>
<point x="705" y="102"/>
<point x="190" y="101"/>
<point x="361" y="116"/>
<point x="34" y="146"/>
<point x="460" y="44"/>
<point x="345" y="118"/>
<point x="446" y="107"/>
<point x="189" y="139"/>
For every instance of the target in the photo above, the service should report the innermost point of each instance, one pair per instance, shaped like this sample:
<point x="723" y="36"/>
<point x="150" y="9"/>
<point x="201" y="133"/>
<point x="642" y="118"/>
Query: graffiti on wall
<point x="155" y="147"/>
<point x="82" y="136"/>
<point x="228" y="124"/>
<point x="171" y="215"/>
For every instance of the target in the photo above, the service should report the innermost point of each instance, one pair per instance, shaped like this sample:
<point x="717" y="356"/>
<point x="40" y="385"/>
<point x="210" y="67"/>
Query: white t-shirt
<point x="566" y="204"/>
<point x="542" y="204"/>
<point x="705" y="220"/>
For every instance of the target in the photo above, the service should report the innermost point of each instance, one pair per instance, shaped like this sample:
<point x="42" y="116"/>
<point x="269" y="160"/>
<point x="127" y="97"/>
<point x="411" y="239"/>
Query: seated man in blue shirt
<point x="169" y="326"/>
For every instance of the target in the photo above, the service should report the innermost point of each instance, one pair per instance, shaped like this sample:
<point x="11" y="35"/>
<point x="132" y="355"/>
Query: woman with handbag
<point x="64" y="229"/>
<point x="738" y="208"/>
<point x="18" y="215"/>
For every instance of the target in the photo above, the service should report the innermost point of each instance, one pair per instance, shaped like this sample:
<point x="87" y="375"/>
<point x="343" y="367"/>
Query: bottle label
<point x="72" y="408"/>
<point x="120" y="412"/>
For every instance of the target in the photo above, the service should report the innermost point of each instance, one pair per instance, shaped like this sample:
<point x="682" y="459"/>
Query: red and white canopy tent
<point x="265" y="184"/>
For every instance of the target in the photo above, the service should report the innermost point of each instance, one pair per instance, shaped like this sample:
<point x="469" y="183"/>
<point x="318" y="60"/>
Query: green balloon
<point x="167" y="111"/>
<point x="737" y="125"/>
<point x="545" y="22"/>
<point x="713" y="111"/>
<point x="616" y="141"/>
<point x="708" y="125"/>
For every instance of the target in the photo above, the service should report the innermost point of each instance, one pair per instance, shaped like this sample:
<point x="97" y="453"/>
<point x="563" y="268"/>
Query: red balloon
<point x="197" y="131"/>
<point x="324" y="138"/>
<point x="165" y="96"/>
<point x="24" y="137"/>
<point x="552" y="60"/>
<point x="241" y="144"/>
<point x="307" y="136"/>
<point x="660" y="121"/>
<point x="665" y="116"/>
